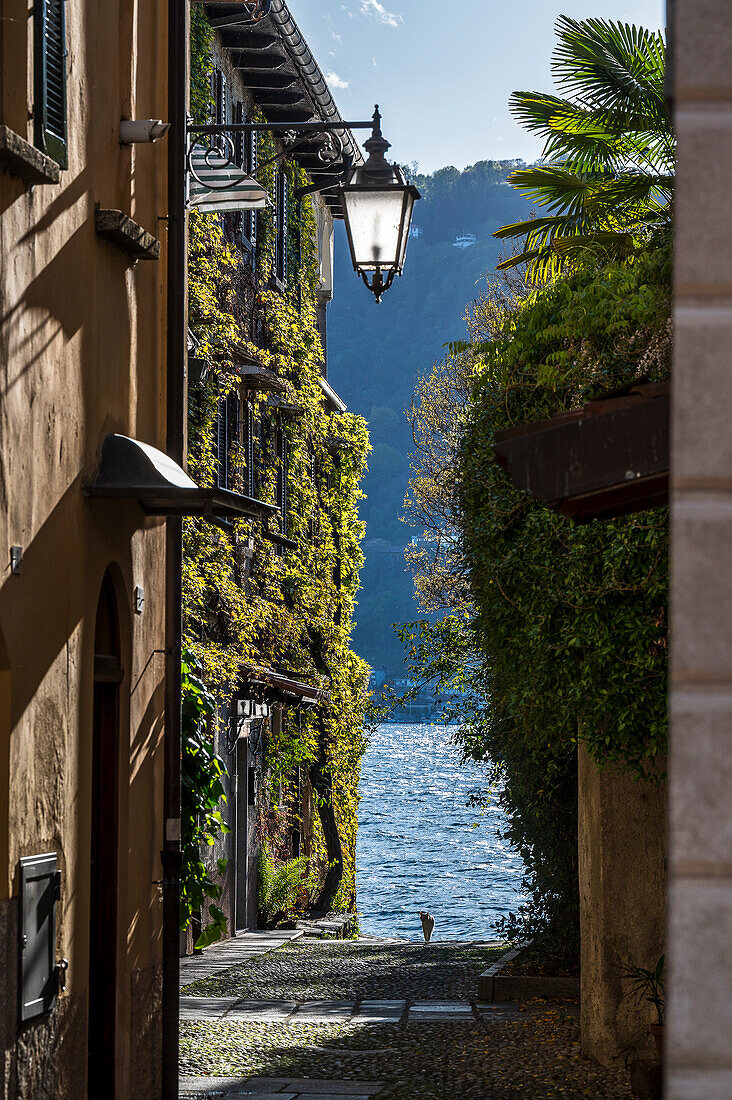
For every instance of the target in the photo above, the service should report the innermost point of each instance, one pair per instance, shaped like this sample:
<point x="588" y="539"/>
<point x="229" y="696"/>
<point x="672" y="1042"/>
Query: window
<point x="219" y="96"/>
<point x="282" y="458"/>
<point x="50" y="78"/>
<point x="338" y="580"/>
<point x="227" y="436"/>
<point x="280" y="215"/>
<point x="248" y="431"/>
<point x="246" y="158"/>
<point x="322" y="323"/>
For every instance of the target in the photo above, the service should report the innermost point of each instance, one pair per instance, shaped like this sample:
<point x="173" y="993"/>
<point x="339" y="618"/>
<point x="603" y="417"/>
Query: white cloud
<point x="372" y="9"/>
<point x="336" y="81"/>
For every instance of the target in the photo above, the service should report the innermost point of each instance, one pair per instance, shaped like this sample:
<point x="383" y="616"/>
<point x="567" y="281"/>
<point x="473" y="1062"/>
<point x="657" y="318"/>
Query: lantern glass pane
<point x="407" y="224"/>
<point x="375" y="219"/>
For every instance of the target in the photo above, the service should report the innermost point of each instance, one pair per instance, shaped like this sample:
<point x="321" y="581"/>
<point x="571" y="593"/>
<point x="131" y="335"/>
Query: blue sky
<point x="442" y="70"/>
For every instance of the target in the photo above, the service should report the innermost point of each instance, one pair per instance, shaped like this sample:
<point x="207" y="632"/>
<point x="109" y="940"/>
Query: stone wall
<point x="622" y="859"/>
<point x="699" y="1042"/>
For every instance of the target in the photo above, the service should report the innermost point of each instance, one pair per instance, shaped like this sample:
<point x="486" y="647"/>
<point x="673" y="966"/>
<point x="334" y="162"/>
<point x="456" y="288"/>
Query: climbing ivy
<point x="201" y="795"/>
<point x="247" y="605"/>
<point x="574" y="615"/>
<point x="570" y="628"/>
<point x="559" y="630"/>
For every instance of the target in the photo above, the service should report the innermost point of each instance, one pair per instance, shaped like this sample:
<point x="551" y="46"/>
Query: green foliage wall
<point x="570" y="620"/>
<point x="248" y="605"/>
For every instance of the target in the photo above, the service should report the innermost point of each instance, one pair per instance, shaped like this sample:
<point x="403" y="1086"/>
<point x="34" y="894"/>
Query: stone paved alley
<point x="278" y="1016"/>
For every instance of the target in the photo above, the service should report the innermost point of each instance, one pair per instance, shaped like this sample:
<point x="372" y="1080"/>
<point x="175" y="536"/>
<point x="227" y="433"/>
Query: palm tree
<point x="607" y="185"/>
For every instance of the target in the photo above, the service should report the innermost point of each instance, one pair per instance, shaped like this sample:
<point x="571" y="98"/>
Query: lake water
<point x="420" y="846"/>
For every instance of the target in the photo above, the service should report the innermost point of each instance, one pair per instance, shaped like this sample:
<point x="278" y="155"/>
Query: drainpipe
<point x="177" y="321"/>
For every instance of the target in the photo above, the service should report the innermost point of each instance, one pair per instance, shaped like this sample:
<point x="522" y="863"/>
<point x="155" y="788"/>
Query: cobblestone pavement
<point x="347" y="969"/>
<point x="394" y="1022"/>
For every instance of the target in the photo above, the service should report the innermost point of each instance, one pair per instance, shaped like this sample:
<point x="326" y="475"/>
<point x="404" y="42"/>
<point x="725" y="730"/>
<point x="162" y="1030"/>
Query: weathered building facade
<point x="270" y="624"/>
<point x="82" y="589"/>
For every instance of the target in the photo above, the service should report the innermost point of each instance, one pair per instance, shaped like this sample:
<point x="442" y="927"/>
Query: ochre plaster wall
<point x="622" y="859"/>
<point x="82" y="353"/>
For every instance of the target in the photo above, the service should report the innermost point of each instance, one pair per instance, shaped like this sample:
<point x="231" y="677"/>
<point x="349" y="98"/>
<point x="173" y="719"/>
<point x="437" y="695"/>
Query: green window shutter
<point x="50" y="78"/>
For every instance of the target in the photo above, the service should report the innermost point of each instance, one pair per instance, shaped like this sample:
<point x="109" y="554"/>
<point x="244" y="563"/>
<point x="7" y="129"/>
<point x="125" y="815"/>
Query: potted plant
<point x="650" y="986"/>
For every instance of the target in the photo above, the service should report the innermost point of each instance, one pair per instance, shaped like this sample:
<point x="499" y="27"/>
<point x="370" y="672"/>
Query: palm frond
<point x="612" y="64"/>
<point x="608" y="186"/>
<point x="554" y="187"/>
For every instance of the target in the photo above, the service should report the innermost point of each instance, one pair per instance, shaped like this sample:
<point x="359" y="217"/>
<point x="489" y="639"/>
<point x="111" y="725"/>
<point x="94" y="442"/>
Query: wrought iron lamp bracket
<point x="294" y="136"/>
<point x="258" y="10"/>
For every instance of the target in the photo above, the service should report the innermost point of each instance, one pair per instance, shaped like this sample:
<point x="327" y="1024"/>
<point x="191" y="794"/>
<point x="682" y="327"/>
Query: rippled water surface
<point x="421" y="847"/>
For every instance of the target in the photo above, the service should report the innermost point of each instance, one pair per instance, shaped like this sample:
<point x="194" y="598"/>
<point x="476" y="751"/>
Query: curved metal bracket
<point x="222" y="154"/>
<point x="258" y="10"/>
<point x="378" y="284"/>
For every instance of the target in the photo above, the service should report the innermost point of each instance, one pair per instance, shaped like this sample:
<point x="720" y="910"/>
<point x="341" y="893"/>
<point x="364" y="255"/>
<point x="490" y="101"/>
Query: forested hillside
<point x="377" y="352"/>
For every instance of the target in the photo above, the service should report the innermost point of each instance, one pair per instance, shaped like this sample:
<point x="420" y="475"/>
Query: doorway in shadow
<point x="108" y="674"/>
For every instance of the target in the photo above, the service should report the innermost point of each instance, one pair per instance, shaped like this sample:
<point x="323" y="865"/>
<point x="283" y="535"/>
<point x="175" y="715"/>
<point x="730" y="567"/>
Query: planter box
<point x="497" y="987"/>
<point x="523" y="987"/>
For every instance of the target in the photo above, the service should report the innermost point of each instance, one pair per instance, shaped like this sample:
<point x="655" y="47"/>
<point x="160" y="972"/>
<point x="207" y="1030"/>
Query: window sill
<point x="126" y="234"/>
<point x="277" y="284"/>
<point x="21" y="159"/>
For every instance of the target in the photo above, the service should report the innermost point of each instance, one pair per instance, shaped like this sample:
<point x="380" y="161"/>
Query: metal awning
<point x="276" y="688"/>
<point x="216" y="185"/>
<point x="332" y="400"/>
<point x="607" y="459"/>
<point x="131" y="470"/>
<point x="254" y="377"/>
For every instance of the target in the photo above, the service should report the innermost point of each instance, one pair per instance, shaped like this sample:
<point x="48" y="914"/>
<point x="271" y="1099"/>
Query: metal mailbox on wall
<point x="39" y="976"/>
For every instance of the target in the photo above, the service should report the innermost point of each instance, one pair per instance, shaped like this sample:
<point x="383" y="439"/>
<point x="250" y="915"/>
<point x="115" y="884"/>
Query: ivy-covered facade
<point x="274" y="696"/>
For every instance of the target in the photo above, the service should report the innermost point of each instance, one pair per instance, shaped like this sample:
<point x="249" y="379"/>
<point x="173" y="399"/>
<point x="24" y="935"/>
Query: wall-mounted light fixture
<point x="247" y="709"/>
<point x="378" y="203"/>
<point x="377" y="199"/>
<point x="140" y="131"/>
<point x="16" y="560"/>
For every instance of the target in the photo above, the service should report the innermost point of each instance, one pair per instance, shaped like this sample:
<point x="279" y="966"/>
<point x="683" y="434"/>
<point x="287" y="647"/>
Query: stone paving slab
<point x="206" y="1008"/>
<point x="334" y="1095"/>
<point x="390" y="1012"/>
<point x="315" y="1086"/>
<point x="441" y="1010"/>
<point x="319" y="1011"/>
<point x="379" y="1012"/>
<point x="210" y="1086"/>
<point x="261" y="1010"/>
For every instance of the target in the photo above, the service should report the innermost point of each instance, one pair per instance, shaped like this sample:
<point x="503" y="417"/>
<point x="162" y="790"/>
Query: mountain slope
<point x="377" y="352"/>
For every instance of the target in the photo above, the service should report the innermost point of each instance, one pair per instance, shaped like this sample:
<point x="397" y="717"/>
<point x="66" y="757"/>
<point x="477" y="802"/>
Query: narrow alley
<point x="270" y="1015"/>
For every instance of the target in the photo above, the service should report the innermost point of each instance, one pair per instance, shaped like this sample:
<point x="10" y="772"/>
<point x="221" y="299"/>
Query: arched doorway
<point x="108" y="674"/>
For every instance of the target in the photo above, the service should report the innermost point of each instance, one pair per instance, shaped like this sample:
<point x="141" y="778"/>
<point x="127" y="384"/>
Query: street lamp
<point x="377" y="204"/>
